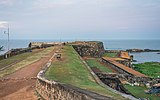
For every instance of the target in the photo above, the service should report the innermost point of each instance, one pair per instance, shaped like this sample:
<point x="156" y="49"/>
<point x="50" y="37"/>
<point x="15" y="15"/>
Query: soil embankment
<point x="21" y="84"/>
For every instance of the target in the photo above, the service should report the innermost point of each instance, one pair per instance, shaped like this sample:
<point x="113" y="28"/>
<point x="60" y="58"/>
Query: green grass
<point x="14" y="59"/>
<point x="151" y="69"/>
<point x="97" y="64"/>
<point x="110" y="54"/>
<point x="72" y="71"/>
<point x="28" y="60"/>
<point x="138" y="91"/>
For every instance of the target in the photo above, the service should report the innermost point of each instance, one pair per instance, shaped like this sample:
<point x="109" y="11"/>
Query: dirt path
<point x="21" y="84"/>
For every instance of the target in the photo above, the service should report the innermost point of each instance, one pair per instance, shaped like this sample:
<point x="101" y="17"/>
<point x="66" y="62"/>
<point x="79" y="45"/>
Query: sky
<point x="80" y="19"/>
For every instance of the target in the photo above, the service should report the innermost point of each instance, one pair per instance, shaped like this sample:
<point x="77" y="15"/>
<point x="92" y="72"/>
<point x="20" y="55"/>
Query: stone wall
<point x="132" y="80"/>
<point x="43" y="44"/>
<point x="51" y="90"/>
<point x="14" y="52"/>
<point x="113" y="51"/>
<point x="93" y="49"/>
<point x="114" y="83"/>
<point x="31" y="46"/>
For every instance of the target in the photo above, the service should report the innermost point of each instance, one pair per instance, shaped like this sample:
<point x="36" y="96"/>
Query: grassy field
<point x="14" y="59"/>
<point x="71" y="70"/>
<point x="110" y="54"/>
<point x="29" y="58"/>
<point x="138" y="92"/>
<point x="151" y="69"/>
<point x="97" y="64"/>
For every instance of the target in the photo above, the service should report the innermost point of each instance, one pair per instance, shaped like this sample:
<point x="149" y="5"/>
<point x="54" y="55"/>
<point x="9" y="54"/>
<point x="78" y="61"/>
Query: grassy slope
<point x="110" y="54"/>
<point x="28" y="60"/>
<point x="13" y="59"/>
<point x="96" y="63"/>
<point x="151" y="69"/>
<point x="138" y="91"/>
<point x="72" y="71"/>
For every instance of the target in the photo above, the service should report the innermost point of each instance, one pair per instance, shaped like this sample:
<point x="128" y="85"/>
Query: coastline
<point x="151" y="45"/>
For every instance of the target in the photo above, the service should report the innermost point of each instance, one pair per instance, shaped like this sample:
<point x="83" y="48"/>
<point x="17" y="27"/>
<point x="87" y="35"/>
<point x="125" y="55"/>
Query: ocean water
<point x="140" y="44"/>
<point x="146" y="57"/>
<point x="130" y="44"/>
<point x="108" y="44"/>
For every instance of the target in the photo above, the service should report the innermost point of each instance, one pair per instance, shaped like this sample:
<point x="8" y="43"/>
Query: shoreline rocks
<point x="142" y="50"/>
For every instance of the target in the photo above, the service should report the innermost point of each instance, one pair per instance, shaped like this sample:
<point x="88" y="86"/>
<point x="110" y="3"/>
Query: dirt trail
<point x="21" y="84"/>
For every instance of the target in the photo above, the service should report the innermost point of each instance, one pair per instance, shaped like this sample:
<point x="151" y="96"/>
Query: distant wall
<point x="93" y="49"/>
<point x="31" y="46"/>
<point x="14" y="52"/>
<point x="113" y="51"/>
<point x="43" y="44"/>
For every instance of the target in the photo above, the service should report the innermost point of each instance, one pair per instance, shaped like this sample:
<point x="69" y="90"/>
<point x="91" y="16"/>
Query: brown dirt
<point x="21" y="84"/>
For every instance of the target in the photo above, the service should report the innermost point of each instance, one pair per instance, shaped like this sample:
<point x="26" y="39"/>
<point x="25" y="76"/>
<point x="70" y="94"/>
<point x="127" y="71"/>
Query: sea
<point x="108" y="45"/>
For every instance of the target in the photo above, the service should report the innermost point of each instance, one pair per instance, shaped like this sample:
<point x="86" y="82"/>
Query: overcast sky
<point x="81" y="19"/>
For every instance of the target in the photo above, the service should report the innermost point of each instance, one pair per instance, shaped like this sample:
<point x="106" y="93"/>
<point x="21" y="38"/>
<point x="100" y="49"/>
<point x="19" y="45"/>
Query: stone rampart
<point x="52" y="90"/>
<point x="93" y="49"/>
<point x="43" y="44"/>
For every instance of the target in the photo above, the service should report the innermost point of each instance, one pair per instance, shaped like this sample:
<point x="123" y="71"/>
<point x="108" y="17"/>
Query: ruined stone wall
<point x="93" y="49"/>
<point x="142" y="81"/>
<point x="113" y="82"/>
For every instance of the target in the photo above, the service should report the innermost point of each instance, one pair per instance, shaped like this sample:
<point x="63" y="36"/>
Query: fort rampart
<point x="52" y="90"/>
<point x="93" y="49"/>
